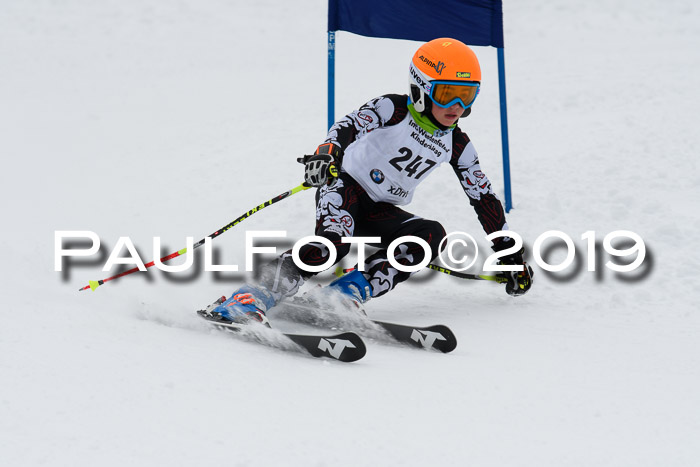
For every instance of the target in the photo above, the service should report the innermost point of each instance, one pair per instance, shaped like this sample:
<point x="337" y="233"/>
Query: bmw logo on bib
<point x="377" y="176"/>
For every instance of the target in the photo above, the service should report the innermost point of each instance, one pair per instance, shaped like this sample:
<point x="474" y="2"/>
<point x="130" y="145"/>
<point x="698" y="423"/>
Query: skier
<point x="370" y="164"/>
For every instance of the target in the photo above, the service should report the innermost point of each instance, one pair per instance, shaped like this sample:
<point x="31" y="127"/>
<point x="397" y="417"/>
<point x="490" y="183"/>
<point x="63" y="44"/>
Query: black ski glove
<point x="519" y="282"/>
<point x="322" y="167"/>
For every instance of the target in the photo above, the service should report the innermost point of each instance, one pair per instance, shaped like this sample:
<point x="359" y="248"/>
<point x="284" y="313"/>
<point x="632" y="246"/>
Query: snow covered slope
<point x="151" y="118"/>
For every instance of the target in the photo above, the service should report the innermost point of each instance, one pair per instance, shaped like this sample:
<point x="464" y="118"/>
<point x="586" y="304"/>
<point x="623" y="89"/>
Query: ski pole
<point x="479" y="277"/>
<point x="462" y="275"/>
<point x="94" y="284"/>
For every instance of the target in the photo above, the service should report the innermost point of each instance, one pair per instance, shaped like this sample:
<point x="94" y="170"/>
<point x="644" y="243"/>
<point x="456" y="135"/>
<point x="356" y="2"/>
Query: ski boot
<point x="353" y="287"/>
<point x="247" y="304"/>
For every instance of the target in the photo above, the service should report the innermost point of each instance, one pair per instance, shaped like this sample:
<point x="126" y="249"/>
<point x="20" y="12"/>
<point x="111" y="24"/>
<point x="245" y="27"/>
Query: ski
<point x="344" y="347"/>
<point x="437" y="337"/>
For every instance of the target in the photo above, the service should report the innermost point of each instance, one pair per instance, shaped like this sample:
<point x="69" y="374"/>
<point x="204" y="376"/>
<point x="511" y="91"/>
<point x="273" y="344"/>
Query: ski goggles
<point x="448" y="93"/>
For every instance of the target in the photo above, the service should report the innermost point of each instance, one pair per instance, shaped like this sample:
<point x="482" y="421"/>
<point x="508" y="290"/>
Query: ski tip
<point x="359" y="350"/>
<point x="437" y="337"/>
<point x="450" y="340"/>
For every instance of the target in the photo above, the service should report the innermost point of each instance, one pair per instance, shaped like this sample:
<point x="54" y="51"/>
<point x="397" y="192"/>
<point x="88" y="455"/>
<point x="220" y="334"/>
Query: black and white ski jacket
<point x="389" y="154"/>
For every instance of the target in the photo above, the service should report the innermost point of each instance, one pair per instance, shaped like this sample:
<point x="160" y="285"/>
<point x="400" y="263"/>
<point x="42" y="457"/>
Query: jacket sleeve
<point x="386" y="110"/>
<point x="489" y="210"/>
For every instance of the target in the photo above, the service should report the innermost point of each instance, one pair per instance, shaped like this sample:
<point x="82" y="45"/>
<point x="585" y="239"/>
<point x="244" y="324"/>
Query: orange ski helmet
<point x="444" y="72"/>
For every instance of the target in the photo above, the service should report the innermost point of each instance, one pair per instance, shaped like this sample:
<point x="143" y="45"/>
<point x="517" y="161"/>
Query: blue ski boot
<point x="353" y="286"/>
<point x="249" y="303"/>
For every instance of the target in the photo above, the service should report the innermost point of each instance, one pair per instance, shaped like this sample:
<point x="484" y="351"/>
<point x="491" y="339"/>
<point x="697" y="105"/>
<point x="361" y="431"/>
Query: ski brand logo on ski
<point x="426" y="338"/>
<point x="334" y="347"/>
